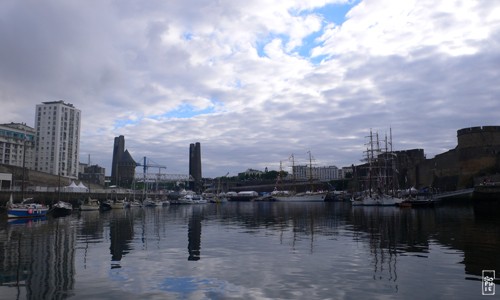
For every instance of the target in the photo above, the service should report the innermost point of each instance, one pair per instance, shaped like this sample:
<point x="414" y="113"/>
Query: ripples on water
<point x="251" y="251"/>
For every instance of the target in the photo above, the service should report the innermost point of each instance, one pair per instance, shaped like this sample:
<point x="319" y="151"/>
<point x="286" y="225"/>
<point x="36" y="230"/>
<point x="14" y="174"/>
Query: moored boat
<point x="381" y="189"/>
<point x="134" y="203"/>
<point x="118" y="204"/>
<point x="61" y="209"/>
<point x="148" y="202"/>
<point x="90" y="204"/>
<point x="376" y="199"/>
<point x="190" y="199"/>
<point x="26" y="209"/>
<point x="242" y="196"/>
<point x="420" y="198"/>
<point x="313" y="195"/>
<point x="299" y="197"/>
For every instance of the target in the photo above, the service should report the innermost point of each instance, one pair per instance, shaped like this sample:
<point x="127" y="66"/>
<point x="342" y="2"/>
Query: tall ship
<point x="279" y="194"/>
<point x="379" y="187"/>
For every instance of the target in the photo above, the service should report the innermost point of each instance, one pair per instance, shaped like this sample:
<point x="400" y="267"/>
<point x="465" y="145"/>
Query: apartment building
<point x="17" y="144"/>
<point x="57" y="139"/>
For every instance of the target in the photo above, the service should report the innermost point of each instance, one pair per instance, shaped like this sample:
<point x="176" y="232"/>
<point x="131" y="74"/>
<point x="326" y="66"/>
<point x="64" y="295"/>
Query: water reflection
<point x="267" y="250"/>
<point x="194" y="234"/>
<point x="121" y="233"/>
<point x="38" y="256"/>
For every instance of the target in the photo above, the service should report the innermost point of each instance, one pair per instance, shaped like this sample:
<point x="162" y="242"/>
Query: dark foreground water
<point x="253" y="251"/>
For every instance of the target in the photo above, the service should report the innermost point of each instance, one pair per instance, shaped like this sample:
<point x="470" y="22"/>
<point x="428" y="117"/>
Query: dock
<point x="452" y="194"/>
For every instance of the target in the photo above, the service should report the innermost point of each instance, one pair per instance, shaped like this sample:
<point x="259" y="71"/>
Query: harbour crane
<point x="148" y="163"/>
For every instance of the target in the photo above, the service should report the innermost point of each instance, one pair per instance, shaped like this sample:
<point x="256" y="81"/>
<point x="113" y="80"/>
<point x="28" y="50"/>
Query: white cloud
<point x="427" y="69"/>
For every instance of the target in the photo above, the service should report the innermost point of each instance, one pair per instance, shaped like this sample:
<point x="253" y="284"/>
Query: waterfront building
<point x="57" y="139"/>
<point x="345" y="172"/>
<point x="250" y="173"/>
<point x="325" y="173"/>
<point x="93" y="174"/>
<point x="16" y="145"/>
<point x="195" y="166"/>
<point x="123" y="165"/>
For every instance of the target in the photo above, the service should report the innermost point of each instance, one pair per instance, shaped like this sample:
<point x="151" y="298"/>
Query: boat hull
<point x="379" y="200"/>
<point x="61" y="212"/>
<point x="306" y="197"/>
<point x="61" y="209"/>
<point x="27" y="212"/>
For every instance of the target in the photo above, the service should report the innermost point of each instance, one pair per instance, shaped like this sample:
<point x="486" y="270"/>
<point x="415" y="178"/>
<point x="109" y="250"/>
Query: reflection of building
<point x="194" y="236"/>
<point x="195" y="166"/>
<point x="121" y="233"/>
<point x="123" y="165"/>
<point x="42" y="259"/>
<point x="57" y="144"/>
<point x="16" y="144"/>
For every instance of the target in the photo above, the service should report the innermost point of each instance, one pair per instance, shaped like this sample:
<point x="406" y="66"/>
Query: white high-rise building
<point x="57" y="142"/>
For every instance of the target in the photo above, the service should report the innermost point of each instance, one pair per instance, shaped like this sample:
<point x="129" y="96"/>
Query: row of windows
<point x="15" y="135"/>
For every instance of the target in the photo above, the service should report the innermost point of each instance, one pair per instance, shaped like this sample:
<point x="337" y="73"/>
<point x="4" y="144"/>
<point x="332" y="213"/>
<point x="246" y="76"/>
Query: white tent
<point x="82" y="188"/>
<point x="73" y="188"/>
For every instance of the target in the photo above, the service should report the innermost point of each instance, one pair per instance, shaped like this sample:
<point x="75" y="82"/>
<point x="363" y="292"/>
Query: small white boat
<point x="135" y="203"/>
<point x="90" y="204"/>
<point x="117" y="204"/>
<point x="191" y="199"/>
<point x="148" y="202"/>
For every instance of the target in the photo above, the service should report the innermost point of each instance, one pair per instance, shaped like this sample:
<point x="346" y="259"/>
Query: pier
<point x="453" y="194"/>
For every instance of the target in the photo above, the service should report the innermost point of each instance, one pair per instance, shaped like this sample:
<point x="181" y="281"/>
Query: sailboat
<point x="27" y="208"/>
<point x="381" y="189"/>
<point x="293" y="196"/>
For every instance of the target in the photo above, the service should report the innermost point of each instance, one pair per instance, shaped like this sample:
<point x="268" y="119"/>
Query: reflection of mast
<point x="18" y="273"/>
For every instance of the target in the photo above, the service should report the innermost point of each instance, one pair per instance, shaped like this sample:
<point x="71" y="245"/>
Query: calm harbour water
<point x="253" y="250"/>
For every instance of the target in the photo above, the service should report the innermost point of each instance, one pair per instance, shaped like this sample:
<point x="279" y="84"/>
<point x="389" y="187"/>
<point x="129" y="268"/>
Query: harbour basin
<point x="252" y="250"/>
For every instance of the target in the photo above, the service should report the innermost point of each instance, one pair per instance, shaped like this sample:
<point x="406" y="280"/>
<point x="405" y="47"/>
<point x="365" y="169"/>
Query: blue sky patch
<point x="187" y="36"/>
<point x="331" y="13"/>
<point x="335" y="13"/>
<point x="122" y="123"/>
<point x="186" y="111"/>
<point x="261" y="44"/>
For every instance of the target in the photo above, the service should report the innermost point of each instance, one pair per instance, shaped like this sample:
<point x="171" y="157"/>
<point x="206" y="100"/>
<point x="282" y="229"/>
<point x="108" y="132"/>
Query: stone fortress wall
<point x="477" y="154"/>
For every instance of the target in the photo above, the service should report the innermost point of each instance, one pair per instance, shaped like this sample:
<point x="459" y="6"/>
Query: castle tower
<point x="478" y="152"/>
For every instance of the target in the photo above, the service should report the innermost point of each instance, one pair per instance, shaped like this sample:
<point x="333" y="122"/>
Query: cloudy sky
<point x="253" y="81"/>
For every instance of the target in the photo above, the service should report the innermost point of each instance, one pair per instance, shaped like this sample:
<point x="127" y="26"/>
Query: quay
<point x="455" y="194"/>
<point x="75" y="199"/>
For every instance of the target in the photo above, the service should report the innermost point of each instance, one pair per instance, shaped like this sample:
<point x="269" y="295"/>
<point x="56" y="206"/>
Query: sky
<point x="253" y="81"/>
